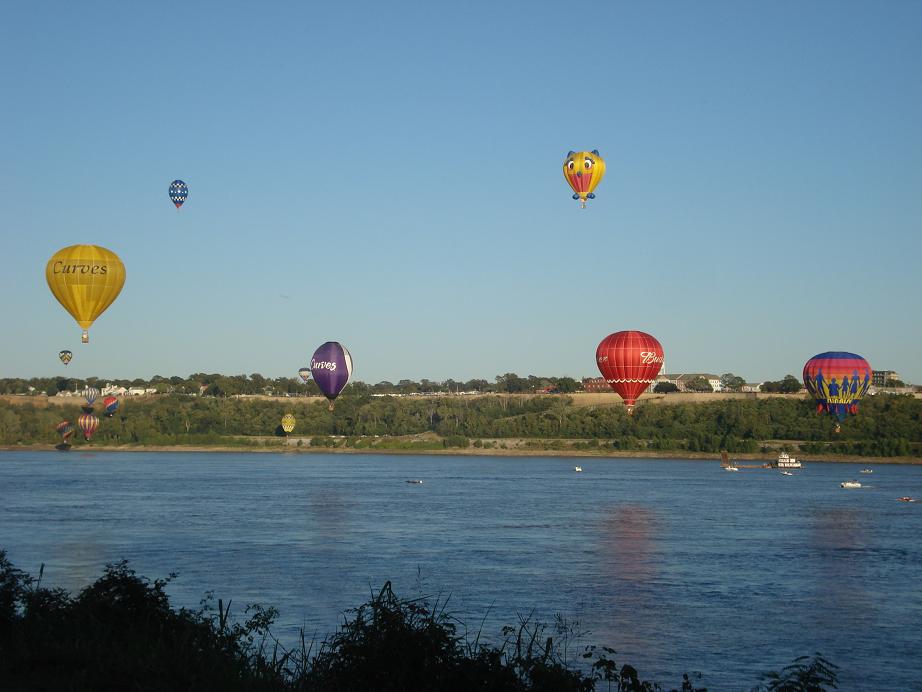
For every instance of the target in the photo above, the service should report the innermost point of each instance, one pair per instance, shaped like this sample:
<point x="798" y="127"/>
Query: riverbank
<point x="510" y="451"/>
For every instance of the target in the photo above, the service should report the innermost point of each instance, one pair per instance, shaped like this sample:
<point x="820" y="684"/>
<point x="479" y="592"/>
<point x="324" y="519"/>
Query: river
<point x="678" y="565"/>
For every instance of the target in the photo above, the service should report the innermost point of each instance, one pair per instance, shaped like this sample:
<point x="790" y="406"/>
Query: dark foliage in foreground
<point x="120" y="633"/>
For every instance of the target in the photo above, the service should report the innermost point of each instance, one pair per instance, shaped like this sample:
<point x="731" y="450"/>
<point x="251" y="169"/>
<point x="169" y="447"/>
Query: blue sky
<point x="388" y="175"/>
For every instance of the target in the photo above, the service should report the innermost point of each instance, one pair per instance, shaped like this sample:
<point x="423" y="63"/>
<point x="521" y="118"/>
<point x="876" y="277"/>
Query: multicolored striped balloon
<point x="837" y="380"/>
<point x="88" y="424"/>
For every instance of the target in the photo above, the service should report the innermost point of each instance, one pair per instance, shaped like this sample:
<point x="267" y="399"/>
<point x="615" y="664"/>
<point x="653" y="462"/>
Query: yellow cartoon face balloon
<point x="584" y="170"/>
<point x="85" y="279"/>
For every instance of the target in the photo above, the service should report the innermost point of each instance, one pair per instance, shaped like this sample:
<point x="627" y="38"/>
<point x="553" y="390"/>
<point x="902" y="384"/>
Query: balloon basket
<point x="630" y="409"/>
<point x="85" y="337"/>
<point x="331" y="406"/>
<point x="582" y="204"/>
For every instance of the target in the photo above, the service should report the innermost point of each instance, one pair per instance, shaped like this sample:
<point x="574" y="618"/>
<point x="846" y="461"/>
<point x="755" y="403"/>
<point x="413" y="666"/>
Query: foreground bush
<point x="120" y="633"/>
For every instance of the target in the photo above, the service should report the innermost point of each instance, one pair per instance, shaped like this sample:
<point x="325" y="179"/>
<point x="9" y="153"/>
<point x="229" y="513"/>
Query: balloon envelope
<point x="331" y="367"/>
<point x="111" y="404"/>
<point x="629" y="361"/>
<point x="178" y="192"/>
<point x="91" y="394"/>
<point x="88" y="424"/>
<point x="837" y="380"/>
<point x="85" y="279"/>
<point x="304" y="374"/>
<point x="65" y="429"/>
<point x="65" y="356"/>
<point x="583" y="170"/>
<point x="288" y="422"/>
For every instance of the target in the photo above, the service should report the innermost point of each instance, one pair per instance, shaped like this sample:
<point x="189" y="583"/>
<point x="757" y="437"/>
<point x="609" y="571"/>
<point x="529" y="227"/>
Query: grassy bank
<point x="888" y="427"/>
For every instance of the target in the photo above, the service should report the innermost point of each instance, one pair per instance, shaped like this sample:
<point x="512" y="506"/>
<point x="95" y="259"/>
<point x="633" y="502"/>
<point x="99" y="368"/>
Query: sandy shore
<point x="755" y="459"/>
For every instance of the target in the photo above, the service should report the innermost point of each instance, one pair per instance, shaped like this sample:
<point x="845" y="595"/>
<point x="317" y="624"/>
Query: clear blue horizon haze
<point x="388" y="175"/>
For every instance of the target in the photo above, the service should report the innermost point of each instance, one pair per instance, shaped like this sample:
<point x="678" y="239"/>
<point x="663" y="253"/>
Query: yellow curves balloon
<point x="85" y="279"/>
<point x="584" y="170"/>
<point x="288" y="422"/>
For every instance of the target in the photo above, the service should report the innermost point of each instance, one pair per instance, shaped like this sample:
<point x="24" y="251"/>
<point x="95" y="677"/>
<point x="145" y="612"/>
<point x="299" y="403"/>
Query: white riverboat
<point x="785" y="461"/>
<point x="850" y="484"/>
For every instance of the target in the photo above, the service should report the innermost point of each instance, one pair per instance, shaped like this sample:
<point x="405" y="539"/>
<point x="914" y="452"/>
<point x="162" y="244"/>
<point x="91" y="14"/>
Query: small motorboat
<point x="906" y="498"/>
<point x="850" y="484"/>
<point x="786" y="473"/>
<point x="415" y="480"/>
<point x="867" y="470"/>
<point x="578" y="469"/>
<point x="730" y="468"/>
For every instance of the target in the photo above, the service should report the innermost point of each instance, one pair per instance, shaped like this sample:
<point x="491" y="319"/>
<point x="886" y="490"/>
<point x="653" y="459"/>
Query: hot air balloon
<point x="65" y="356"/>
<point x="331" y="367"/>
<point x="88" y="424"/>
<point x="90" y="394"/>
<point x="837" y="380"/>
<point x="111" y="404"/>
<point x="305" y="374"/>
<point x="288" y="423"/>
<point x="85" y="279"/>
<point x="65" y="429"/>
<point x="629" y="362"/>
<point x="178" y="192"/>
<point x="584" y="171"/>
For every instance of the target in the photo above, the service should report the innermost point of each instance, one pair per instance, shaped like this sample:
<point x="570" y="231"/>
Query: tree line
<point x="887" y="425"/>
<point x="215" y="384"/>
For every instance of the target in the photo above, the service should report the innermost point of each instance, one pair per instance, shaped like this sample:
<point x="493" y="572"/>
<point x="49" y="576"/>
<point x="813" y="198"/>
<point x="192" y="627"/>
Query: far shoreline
<point x="457" y="452"/>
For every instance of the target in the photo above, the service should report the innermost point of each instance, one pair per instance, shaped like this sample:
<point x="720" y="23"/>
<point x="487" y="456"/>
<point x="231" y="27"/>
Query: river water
<point x="678" y="565"/>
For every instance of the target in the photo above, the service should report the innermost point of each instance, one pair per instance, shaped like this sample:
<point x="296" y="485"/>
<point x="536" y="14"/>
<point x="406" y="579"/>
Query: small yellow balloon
<point x="584" y="170"/>
<point x="288" y="422"/>
<point x="85" y="279"/>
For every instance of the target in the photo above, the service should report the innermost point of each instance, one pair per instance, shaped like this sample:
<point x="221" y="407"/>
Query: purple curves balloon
<point x="331" y="367"/>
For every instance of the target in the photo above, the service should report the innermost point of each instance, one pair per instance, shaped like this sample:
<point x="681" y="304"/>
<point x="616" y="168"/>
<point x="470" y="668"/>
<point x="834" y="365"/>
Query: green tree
<point x="664" y="388"/>
<point x="566" y="385"/>
<point x="790" y="385"/>
<point x="511" y="383"/>
<point x="731" y="382"/>
<point x="698" y="384"/>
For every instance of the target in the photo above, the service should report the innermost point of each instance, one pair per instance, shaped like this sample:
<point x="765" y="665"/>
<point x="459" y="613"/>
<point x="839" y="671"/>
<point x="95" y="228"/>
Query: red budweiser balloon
<point x="629" y="362"/>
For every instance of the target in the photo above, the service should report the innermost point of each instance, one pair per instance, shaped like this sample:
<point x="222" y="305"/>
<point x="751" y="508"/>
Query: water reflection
<point x="628" y="549"/>
<point x="839" y="542"/>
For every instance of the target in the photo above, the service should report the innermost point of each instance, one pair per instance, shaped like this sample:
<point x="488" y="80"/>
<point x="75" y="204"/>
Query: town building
<point x="879" y="378"/>
<point x="595" y="384"/>
<point x="681" y="379"/>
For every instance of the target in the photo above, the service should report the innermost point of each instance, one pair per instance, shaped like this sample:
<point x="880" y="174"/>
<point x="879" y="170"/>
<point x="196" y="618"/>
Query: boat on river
<point x="906" y="498"/>
<point x="786" y="461"/>
<point x="850" y="484"/>
<point x="725" y="463"/>
<point x="578" y="469"/>
<point x="867" y="470"/>
<point x="786" y="473"/>
<point x="415" y="481"/>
